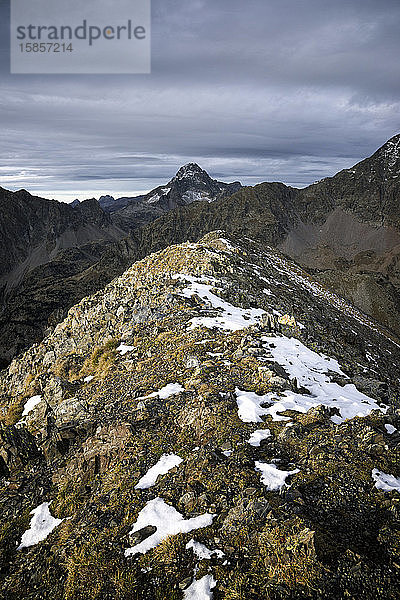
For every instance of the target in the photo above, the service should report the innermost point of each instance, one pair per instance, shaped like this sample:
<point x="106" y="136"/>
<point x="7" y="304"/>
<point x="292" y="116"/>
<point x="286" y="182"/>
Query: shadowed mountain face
<point x="345" y="230"/>
<point x="34" y="230"/>
<point x="348" y="229"/>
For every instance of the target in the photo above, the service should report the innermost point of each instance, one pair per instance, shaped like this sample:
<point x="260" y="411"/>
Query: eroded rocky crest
<point x="217" y="388"/>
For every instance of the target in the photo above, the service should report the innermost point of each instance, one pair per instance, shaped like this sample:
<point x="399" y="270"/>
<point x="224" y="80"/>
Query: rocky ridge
<point x="225" y="355"/>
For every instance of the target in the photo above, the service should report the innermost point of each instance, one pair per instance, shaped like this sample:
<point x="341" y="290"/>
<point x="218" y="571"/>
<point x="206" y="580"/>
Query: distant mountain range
<point x="345" y="230"/>
<point x="190" y="184"/>
<point x="34" y="230"/>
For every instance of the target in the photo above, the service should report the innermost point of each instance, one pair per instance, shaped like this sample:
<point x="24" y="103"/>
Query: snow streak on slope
<point x="294" y="273"/>
<point x="311" y="372"/>
<point x="231" y="318"/>
<point x="167" y="521"/>
<point x="162" y="466"/>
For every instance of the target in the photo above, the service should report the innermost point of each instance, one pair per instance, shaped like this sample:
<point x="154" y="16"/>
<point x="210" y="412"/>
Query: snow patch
<point x="272" y="477"/>
<point x="153" y="199"/>
<point x="165" y="392"/>
<point x="386" y="482"/>
<point x="298" y="360"/>
<point x="193" y="196"/>
<point x="123" y="349"/>
<point x="168" y="522"/>
<point x="30" y="404"/>
<point x="257" y="437"/>
<point x="389" y="428"/>
<point x="227" y="243"/>
<point x="310" y="369"/>
<point x="165" y="464"/>
<point x="41" y="525"/>
<point x="201" y="589"/>
<point x="231" y="318"/>
<point x="249" y="406"/>
<point x="201" y="551"/>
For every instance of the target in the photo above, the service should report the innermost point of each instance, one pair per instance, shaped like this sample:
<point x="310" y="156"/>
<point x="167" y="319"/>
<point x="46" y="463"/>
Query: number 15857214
<point x="45" y="47"/>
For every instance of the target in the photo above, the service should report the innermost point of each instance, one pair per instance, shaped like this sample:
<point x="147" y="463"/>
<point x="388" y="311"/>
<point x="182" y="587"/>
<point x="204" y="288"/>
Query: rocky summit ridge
<point x="214" y="423"/>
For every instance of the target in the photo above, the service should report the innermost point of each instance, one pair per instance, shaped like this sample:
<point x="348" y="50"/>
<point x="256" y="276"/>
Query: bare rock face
<point x="34" y="230"/>
<point x="190" y="184"/>
<point x="17" y="449"/>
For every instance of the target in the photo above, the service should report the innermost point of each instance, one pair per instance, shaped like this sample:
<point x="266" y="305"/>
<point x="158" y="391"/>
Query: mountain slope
<point x="217" y="393"/>
<point x="348" y="230"/>
<point x="344" y="230"/>
<point x="46" y="294"/>
<point x="33" y="230"/>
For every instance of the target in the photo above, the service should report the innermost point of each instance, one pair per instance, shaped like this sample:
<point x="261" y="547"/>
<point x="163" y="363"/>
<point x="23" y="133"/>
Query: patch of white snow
<point x="164" y="464"/>
<point x="389" y="428"/>
<point x="311" y="371"/>
<point x="272" y="477"/>
<point x="168" y="522"/>
<point x="200" y="589"/>
<point x="386" y="482"/>
<point x="231" y="318"/>
<point x="165" y="392"/>
<point x="123" y="349"/>
<point x="30" y="404"/>
<point x="201" y="551"/>
<point x="41" y="525"/>
<point x="257" y="437"/>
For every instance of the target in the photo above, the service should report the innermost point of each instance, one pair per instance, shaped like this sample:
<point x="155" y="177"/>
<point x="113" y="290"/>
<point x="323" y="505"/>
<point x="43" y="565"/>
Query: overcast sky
<point x="255" y="90"/>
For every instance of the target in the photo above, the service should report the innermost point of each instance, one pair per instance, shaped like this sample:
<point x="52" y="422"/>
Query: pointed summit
<point x="192" y="183"/>
<point x="191" y="171"/>
<point x="390" y="152"/>
<point x="384" y="164"/>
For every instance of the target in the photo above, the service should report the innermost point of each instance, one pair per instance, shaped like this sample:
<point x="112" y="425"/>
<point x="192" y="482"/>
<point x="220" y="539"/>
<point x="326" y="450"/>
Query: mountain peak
<point x="392" y="147"/>
<point x="190" y="171"/>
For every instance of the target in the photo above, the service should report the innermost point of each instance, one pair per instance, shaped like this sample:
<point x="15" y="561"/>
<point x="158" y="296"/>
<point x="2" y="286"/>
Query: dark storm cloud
<point x="286" y="90"/>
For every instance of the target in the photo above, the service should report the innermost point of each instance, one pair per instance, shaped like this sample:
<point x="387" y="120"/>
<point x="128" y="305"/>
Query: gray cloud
<point x="283" y="90"/>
